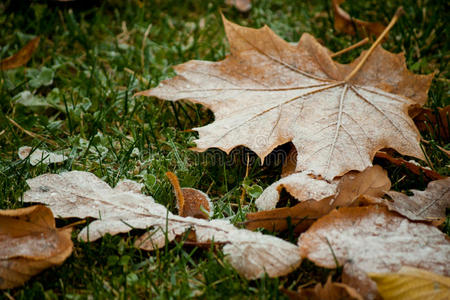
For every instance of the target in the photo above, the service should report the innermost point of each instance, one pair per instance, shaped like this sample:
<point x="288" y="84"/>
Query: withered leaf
<point x="21" y="57"/>
<point x="353" y="276"/>
<point x="268" y="92"/>
<point x="30" y="243"/>
<point x="330" y="291"/>
<point x="40" y="156"/>
<point x="343" y="22"/>
<point x="375" y="240"/>
<point x="412" y="284"/>
<point x="343" y="192"/>
<point x="120" y="209"/>
<point x="428" y="205"/>
<point x="190" y="202"/>
<point x="427" y="119"/>
<point x="412" y="166"/>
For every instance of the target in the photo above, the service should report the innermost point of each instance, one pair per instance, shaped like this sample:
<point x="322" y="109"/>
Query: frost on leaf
<point x="30" y="243"/>
<point x="428" y="205"/>
<point x="268" y="92"/>
<point x="343" y="192"/>
<point x="375" y="240"/>
<point x="372" y="181"/>
<point x="120" y="209"/>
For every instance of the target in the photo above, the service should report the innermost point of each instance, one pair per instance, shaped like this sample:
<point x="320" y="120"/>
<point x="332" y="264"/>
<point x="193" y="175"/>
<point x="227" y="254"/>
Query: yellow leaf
<point x="412" y="283"/>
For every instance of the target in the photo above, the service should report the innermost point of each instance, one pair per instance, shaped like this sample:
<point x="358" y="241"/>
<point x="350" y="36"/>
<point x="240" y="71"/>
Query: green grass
<point x="82" y="102"/>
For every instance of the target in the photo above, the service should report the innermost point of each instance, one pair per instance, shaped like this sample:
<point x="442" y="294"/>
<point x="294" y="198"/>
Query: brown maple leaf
<point x="268" y="92"/>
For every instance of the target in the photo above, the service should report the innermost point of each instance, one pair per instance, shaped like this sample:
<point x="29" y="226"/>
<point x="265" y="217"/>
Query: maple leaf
<point x="375" y="240"/>
<point x="412" y="284"/>
<point x="30" y="243"/>
<point x="123" y="208"/>
<point x="268" y="92"/>
<point x="428" y="205"/>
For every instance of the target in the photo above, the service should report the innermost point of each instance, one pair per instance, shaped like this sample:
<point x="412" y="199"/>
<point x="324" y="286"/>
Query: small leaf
<point x="38" y="156"/>
<point x="343" y="22"/>
<point x="21" y="57"/>
<point x="329" y="291"/>
<point x="43" y="77"/>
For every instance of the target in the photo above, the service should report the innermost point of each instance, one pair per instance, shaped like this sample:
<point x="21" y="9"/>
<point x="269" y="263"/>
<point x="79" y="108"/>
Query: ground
<point x="76" y="95"/>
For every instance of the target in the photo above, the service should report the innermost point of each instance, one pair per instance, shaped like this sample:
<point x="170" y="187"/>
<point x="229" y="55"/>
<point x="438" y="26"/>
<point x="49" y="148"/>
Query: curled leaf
<point x="343" y="192"/>
<point x="190" y="202"/>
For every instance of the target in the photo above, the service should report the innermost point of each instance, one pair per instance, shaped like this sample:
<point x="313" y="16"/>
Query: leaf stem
<point x="354" y="46"/>
<point x="394" y="20"/>
<point x="178" y="192"/>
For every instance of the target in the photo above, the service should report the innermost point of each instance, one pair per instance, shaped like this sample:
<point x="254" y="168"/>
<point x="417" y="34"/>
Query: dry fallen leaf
<point x="372" y="182"/>
<point x="414" y="167"/>
<point x="268" y="92"/>
<point x="329" y="291"/>
<point x="40" y="156"/>
<point x="343" y="22"/>
<point x="120" y="209"/>
<point x="30" y="243"/>
<point x="427" y="119"/>
<point x="375" y="240"/>
<point x="190" y="202"/>
<point x="412" y="284"/>
<point x="301" y="186"/>
<point x="353" y="276"/>
<point x="21" y="57"/>
<point x="428" y="205"/>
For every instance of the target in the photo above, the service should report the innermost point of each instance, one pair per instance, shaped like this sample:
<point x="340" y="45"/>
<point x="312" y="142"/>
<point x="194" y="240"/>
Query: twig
<point x="32" y="134"/>
<point x="394" y="20"/>
<point x="354" y="46"/>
